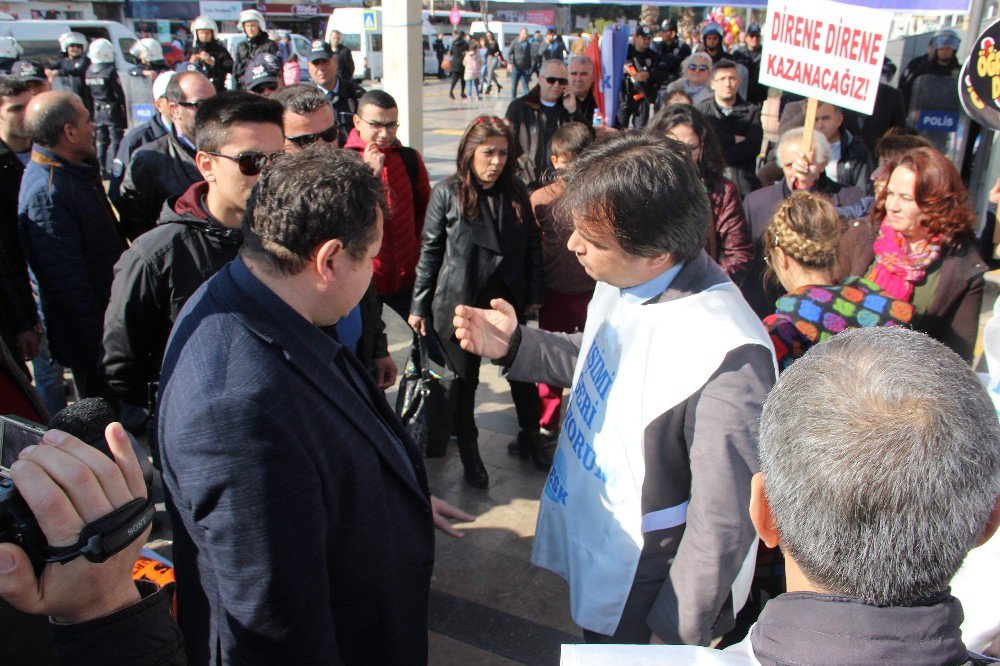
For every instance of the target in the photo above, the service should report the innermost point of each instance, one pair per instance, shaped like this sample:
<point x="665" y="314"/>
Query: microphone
<point x="87" y="419"/>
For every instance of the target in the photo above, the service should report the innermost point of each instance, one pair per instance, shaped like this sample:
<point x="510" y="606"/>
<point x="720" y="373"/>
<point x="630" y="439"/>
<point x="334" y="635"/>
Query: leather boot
<point x="531" y="443"/>
<point x="475" y="472"/>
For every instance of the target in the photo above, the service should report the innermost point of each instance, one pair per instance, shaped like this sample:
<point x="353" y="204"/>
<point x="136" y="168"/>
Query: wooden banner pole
<point x="807" y="135"/>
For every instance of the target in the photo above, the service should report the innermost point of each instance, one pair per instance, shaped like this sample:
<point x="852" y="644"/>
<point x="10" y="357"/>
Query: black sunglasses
<point x="329" y="135"/>
<point x="193" y="105"/>
<point x="700" y="68"/>
<point x="552" y="80"/>
<point x="251" y="162"/>
<point x="265" y="87"/>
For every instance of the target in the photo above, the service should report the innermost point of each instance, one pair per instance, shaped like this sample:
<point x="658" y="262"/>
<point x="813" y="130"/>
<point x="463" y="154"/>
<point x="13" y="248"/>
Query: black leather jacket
<point x="460" y="258"/>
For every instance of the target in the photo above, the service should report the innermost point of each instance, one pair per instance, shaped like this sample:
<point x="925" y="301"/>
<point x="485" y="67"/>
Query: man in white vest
<point x="875" y="488"/>
<point x="644" y="511"/>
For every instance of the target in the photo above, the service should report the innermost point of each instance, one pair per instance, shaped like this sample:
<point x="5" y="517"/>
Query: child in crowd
<point x="568" y="288"/>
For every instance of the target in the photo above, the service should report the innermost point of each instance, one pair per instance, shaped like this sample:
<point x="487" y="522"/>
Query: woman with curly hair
<point x="801" y="251"/>
<point x="729" y="243"/>
<point x="480" y="243"/>
<point x="925" y="253"/>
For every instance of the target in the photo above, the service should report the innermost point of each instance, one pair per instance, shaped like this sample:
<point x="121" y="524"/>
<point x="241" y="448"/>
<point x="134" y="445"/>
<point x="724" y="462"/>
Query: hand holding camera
<point x="69" y="486"/>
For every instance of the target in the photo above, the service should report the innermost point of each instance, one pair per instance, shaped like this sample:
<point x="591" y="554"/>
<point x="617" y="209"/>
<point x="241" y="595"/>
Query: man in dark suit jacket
<point x="302" y="516"/>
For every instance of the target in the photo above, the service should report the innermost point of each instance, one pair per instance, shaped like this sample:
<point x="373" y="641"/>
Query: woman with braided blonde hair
<point x="800" y="243"/>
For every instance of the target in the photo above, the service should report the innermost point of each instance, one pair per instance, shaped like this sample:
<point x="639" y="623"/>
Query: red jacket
<point x="395" y="265"/>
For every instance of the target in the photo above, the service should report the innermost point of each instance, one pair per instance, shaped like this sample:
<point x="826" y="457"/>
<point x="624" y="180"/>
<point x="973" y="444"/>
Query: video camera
<point x="98" y="540"/>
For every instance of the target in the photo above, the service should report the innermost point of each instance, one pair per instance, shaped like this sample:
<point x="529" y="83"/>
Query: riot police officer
<point x="645" y="72"/>
<point x="71" y="67"/>
<point x="150" y="55"/>
<point x="257" y="42"/>
<point x="109" y="102"/>
<point x="672" y="49"/>
<point x="208" y="54"/>
<point x="10" y="51"/>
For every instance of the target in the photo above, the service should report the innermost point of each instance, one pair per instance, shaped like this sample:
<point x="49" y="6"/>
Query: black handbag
<point x="422" y="402"/>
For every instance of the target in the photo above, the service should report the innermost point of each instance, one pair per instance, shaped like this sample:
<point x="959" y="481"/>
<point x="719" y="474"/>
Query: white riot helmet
<point x="9" y="48"/>
<point x="68" y="39"/>
<point x="204" y="23"/>
<point x="150" y="48"/>
<point x="253" y="15"/>
<point x="101" y="52"/>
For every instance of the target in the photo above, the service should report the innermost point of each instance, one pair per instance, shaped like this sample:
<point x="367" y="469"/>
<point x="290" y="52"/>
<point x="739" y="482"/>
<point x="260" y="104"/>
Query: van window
<point x="351" y="40"/>
<point x="44" y="52"/>
<point x="302" y="46"/>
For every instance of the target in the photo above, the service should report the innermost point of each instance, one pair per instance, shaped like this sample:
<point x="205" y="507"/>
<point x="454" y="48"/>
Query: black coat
<point x="154" y="278"/>
<point x="222" y="65"/>
<point x="249" y="49"/>
<point x="134" y="139"/>
<point x="856" y="165"/>
<point x="159" y="170"/>
<point x="888" y="113"/>
<point x="459" y="259"/>
<point x="302" y="520"/>
<point x="345" y="62"/>
<point x="741" y="157"/>
<point x="17" y="305"/>
<point x="533" y="134"/>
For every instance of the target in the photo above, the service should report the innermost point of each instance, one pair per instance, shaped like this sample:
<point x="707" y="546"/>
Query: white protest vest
<point x="636" y="363"/>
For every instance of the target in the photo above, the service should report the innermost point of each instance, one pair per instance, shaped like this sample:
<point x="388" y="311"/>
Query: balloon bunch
<point x="731" y="24"/>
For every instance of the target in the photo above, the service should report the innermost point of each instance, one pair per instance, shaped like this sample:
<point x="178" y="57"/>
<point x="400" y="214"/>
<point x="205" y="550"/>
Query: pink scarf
<point x="897" y="270"/>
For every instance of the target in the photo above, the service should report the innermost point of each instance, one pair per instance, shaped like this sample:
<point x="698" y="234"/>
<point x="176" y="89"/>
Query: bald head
<point x="58" y="120"/>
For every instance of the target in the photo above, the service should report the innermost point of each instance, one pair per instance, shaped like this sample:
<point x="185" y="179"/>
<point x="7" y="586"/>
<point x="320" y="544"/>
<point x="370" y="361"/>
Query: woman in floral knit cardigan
<point x="801" y="245"/>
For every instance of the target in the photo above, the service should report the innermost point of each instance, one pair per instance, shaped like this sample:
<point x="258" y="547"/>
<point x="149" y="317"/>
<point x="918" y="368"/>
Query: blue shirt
<point x="349" y="329"/>
<point x="641" y="293"/>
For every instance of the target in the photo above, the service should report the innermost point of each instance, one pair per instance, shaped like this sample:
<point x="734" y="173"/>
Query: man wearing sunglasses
<point x="166" y="166"/>
<point x="407" y="189"/>
<point x="309" y="124"/>
<point x="645" y="71"/>
<point x="198" y="233"/>
<point x="309" y="118"/>
<point x="535" y="117"/>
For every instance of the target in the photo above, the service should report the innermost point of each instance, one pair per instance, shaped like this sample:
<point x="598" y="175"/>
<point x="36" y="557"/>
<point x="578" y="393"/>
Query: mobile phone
<point x="16" y="434"/>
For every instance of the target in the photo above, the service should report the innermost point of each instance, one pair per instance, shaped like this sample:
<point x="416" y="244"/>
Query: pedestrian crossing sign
<point x="369" y="20"/>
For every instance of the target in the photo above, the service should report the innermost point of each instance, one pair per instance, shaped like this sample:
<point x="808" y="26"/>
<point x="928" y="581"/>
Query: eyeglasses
<point x="700" y="68"/>
<point x="329" y="135"/>
<point x="265" y="87"/>
<point x="193" y="105"/>
<point x="556" y="80"/>
<point x="389" y="127"/>
<point x="251" y="162"/>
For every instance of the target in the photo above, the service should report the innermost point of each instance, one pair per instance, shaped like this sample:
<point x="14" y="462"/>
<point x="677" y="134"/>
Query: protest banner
<point x="979" y="83"/>
<point x="825" y="51"/>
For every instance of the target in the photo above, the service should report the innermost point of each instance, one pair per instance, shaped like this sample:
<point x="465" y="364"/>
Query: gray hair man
<point x="875" y="491"/>
<point x="535" y="117"/>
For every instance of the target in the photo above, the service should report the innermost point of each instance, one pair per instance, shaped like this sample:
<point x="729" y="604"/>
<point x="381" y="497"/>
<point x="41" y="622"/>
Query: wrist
<point x="123" y="597"/>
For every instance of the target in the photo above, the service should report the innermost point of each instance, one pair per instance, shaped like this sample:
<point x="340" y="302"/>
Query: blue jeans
<point x="518" y="75"/>
<point x="49" y="380"/>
